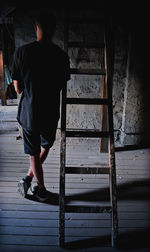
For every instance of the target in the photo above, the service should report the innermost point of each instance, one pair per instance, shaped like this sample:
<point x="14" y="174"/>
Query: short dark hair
<point x="47" y="21"/>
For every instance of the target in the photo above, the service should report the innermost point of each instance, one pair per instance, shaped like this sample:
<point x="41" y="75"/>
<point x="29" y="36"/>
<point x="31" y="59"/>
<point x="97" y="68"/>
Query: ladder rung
<point x="87" y="20"/>
<point x="87" y="209"/>
<point x="97" y="101"/>
<point x="94" y="134"/>
<point x="88" y="71"/>
<point x="87" y="170"/>
<point x="86" y="44"/>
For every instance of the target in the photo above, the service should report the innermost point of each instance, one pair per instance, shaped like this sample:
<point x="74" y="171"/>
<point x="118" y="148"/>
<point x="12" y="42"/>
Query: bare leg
<point x="37" y="170"/>
<point x="43" y="156"/>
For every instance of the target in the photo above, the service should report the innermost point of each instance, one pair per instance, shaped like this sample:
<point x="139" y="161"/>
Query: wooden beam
<point x="7" y="49"/>
<point x="6" y="20"/>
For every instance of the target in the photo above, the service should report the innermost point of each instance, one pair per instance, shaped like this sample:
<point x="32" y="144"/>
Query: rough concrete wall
<point x="85" y="86"/>
<point x="136" y="123"/>
<point x="120" y="75"/>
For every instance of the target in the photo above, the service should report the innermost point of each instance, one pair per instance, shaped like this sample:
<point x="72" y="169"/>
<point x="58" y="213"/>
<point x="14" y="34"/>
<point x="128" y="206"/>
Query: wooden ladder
<point x="107" y="75"/>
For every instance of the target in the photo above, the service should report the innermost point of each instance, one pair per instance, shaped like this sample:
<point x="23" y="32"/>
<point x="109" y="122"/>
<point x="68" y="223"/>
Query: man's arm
<point x="17" y="87"/>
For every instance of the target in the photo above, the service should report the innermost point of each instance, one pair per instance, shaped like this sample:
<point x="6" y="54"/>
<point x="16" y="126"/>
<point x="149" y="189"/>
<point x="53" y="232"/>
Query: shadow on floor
<point x="136" y="190"/>
<point x="126" y="241"/>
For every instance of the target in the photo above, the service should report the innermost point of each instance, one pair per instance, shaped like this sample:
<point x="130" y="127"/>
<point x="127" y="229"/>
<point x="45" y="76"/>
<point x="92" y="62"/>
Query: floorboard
<point x="28" y="225"/>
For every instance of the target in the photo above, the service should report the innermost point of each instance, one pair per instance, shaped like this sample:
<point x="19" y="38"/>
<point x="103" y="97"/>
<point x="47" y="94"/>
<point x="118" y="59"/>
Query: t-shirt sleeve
<point x="15" y="68"/>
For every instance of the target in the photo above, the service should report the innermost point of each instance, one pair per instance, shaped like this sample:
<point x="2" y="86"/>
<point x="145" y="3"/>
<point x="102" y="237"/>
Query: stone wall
<point x="130" y="99"/>
<point x="136" y="110"/>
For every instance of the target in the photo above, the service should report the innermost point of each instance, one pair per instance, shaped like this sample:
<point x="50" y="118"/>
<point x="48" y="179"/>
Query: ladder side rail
<point x="63" y="149"/>
<point x="104" y="109"/>
<point x="62" y="172"/>
<point x="109" y="59"/>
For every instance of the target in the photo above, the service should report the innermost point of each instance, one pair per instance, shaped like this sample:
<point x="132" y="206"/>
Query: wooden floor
<point x="28" y="225"/>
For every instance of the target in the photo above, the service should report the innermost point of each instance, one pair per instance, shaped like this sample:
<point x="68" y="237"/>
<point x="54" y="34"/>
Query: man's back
<point x="42" y="69"/>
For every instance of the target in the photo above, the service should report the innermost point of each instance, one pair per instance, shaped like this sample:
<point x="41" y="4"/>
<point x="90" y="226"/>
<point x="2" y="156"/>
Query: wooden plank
<point x="24" y="230"/>
<point x="87" y="101"/>
<point x="84" y="243"/>
<point x="124" y="214"/>
<point x="122" y="166"/>
<point x="82" y="158"/>
<point x="106" y="237"/>
<point x="125" y="190"/>
<point x="87" y="181"/>
<point x="26" y="248"/>
<point x="29" y="222"/>
<point x="29" y="240"/>
<point x="75" y="180"/>
<point x="125" y="220"/>
<point x="71" y="223"/>
<point x="88" y="71"/>
<point x="85" y="191"/>
<point x="122" y="177"/>
<point x="121" y="180"/>
<point x="89" y="154"/>
<point x="28" y="215"/>
<point x="87" y="209"/>
<point x="52" y="232"/>
<point x="121" y="174"/>
<point x="69" y="185"/>
<point x="23" y="207"/>
<point x="87" y="170"/>
<point x="95" y="134"/>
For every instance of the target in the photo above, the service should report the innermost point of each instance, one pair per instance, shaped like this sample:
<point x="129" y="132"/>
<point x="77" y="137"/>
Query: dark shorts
<point x="33" y="140"/>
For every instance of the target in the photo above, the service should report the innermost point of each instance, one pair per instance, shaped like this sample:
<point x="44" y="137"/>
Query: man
<point x="39" y="70"/>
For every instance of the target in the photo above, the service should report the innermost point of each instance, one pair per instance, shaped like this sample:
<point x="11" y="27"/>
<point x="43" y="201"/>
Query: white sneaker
<point x="23" y="187"/>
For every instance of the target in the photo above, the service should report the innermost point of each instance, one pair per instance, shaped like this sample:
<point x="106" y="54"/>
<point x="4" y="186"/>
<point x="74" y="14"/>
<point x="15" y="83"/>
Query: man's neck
<point x="39" y="38"/>
<point x="39" y="34"/>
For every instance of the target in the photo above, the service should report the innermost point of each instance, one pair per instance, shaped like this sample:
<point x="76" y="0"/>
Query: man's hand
<point x="17" y="87"/>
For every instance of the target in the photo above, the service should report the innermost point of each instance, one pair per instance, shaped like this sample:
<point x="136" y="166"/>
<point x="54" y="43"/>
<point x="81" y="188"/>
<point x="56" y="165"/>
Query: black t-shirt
<point x="42" y="69"/>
